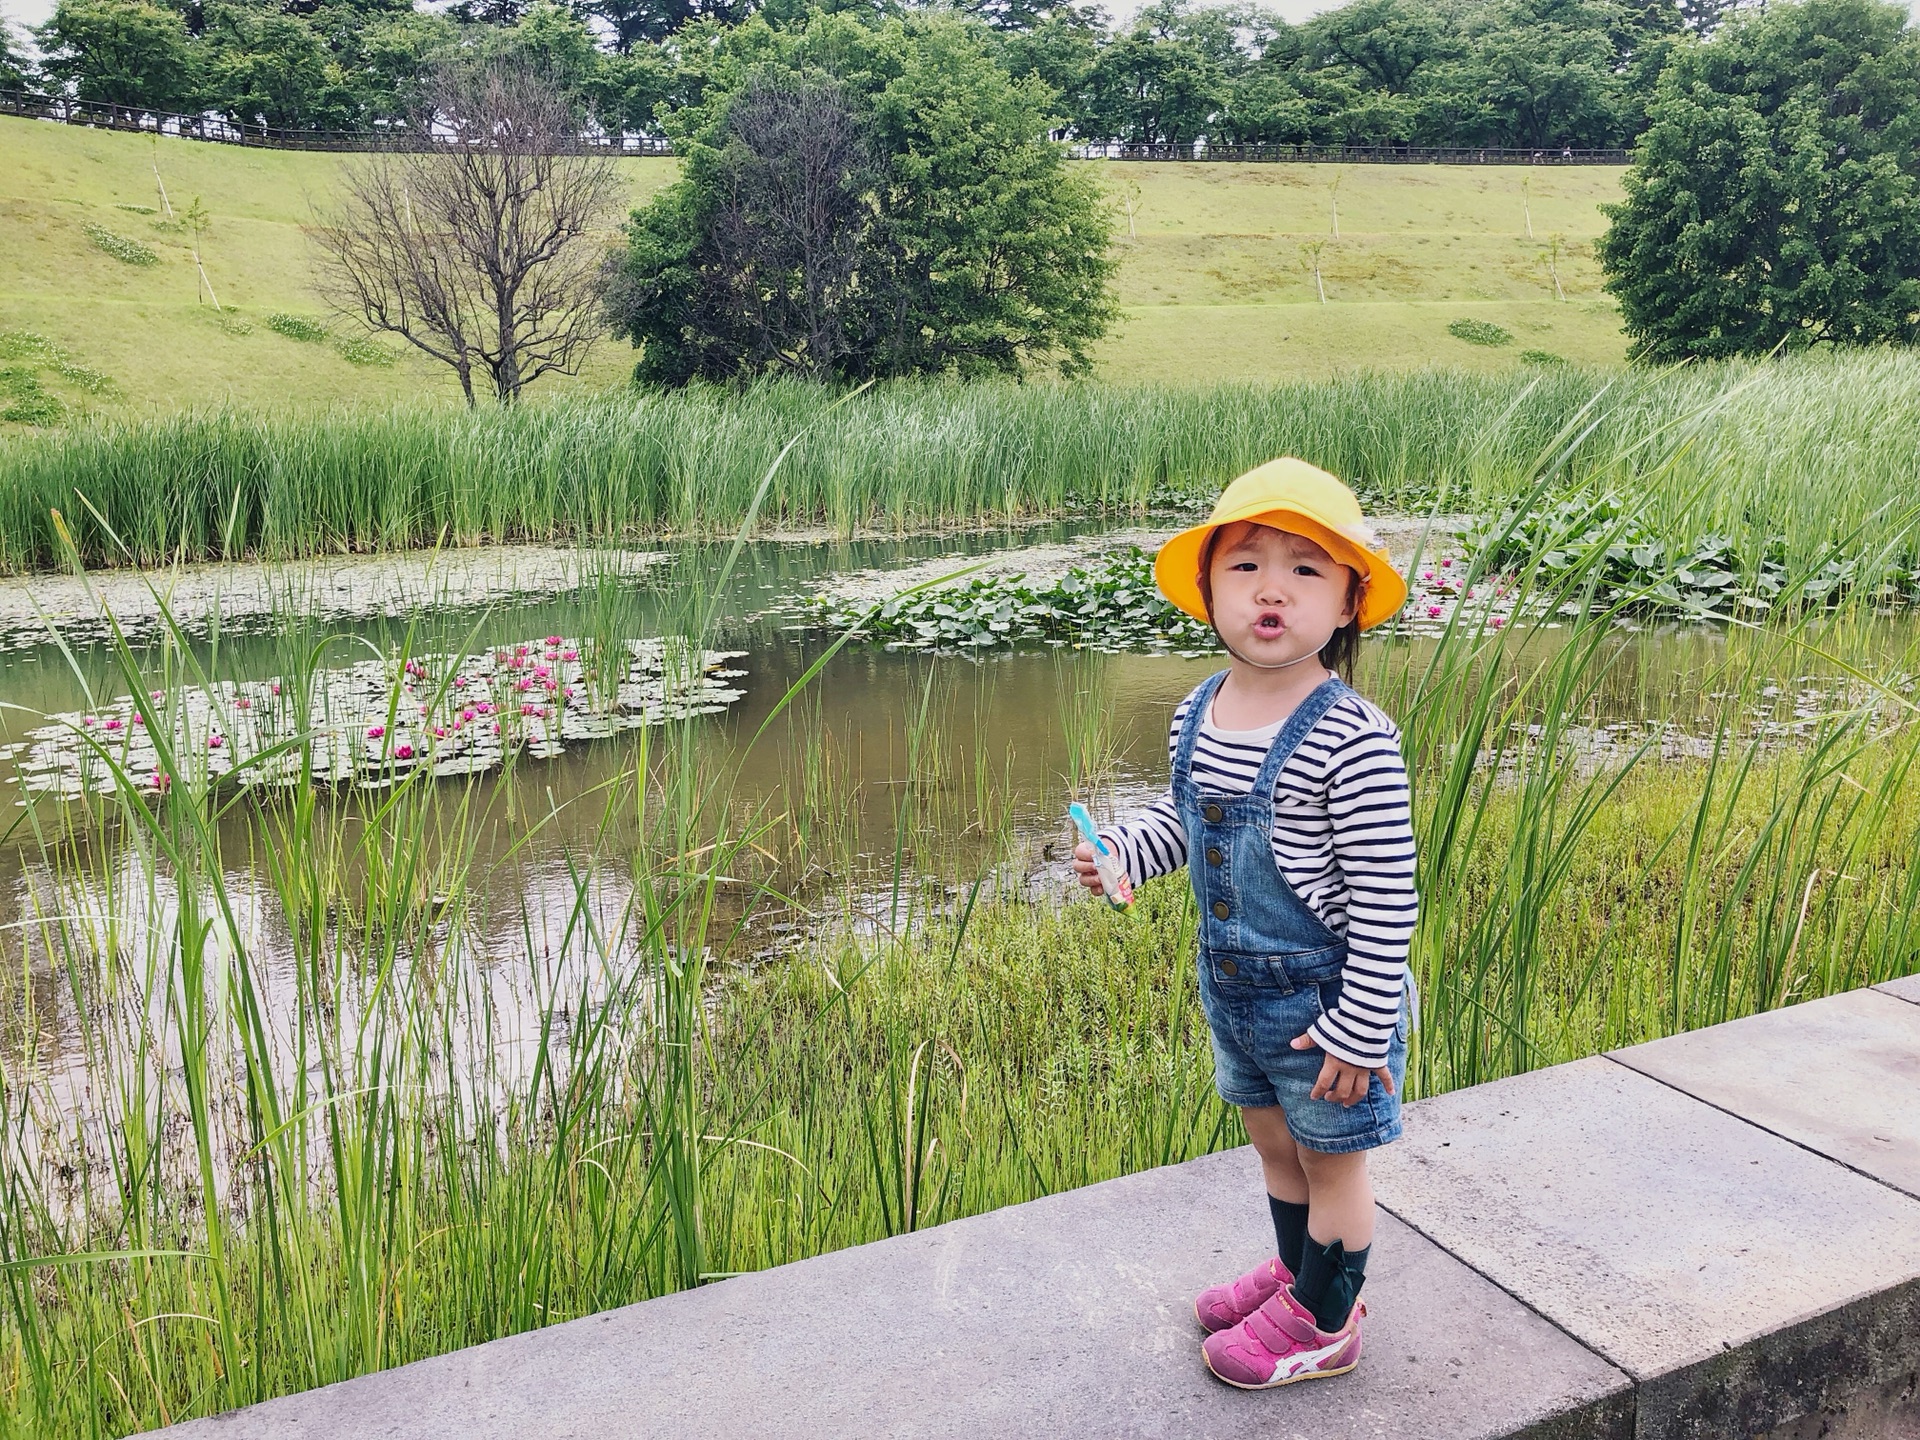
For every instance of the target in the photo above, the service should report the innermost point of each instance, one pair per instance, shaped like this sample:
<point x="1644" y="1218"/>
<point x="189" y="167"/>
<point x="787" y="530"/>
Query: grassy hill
<point x="1212" y="281"/>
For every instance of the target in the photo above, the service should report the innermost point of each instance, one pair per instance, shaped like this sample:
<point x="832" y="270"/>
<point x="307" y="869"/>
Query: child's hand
<point x="1340" y="1082"/>
<point x="1084" y="870"/>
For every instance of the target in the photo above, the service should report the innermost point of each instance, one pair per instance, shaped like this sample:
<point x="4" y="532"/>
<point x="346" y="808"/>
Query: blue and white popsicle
<point x="1113" y="880"/>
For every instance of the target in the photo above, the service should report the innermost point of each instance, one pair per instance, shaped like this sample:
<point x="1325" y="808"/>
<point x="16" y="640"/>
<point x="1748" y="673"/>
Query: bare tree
<point x="1132" y="202"/>
<point x="785" y="268"/>
<point x="1310" y="260"/>
<point x="480" y="249"/>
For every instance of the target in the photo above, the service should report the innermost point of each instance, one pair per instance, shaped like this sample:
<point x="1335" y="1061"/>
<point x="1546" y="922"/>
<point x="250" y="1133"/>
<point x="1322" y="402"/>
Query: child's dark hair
<point x="1339" y="653"/>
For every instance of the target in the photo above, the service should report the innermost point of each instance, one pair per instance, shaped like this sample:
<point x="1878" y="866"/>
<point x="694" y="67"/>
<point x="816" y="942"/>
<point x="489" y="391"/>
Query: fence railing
<point x="222" y="131"/>
<point x="1355" y="154"/>
<point x="225" y="132"/>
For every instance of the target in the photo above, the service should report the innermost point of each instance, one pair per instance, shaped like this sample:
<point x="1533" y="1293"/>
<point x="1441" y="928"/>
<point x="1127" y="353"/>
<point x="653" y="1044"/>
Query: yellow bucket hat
<point x="1288" y="494"/>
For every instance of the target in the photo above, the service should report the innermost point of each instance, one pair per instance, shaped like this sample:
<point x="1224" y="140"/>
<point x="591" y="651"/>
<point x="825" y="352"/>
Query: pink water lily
<point x="1433" y="612"/>
<point x="113" y="724"/>
<point x="214" y="742"/>
<point x="1497" y="621"/>
<point x="403" y="752"/>
<point x="569" y="654"/>
<point x="374" y="732"/>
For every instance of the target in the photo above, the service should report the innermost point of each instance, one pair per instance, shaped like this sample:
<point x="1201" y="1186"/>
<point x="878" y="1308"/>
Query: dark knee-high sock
<point x="1289" y="1230"/>
<point x="1329" y="1280"/>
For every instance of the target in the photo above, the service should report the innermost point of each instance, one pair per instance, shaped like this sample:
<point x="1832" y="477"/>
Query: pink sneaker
<point x="1279" y="1344"/>
<point x="1221" y="1307"/>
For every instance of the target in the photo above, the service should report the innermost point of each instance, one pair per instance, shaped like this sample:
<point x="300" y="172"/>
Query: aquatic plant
<point x="1110" y="604"/>
<point x="283" y="1154"/>
<point x="368" y="723"/>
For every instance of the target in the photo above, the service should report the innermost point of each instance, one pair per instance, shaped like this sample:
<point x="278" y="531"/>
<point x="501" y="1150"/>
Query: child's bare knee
<point x="1267" y="1129"/>
<point x="1325" y="1168"/>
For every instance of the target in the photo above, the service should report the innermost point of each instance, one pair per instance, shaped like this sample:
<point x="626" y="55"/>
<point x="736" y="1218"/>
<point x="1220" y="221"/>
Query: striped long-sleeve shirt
<point x="1342" y="838"/>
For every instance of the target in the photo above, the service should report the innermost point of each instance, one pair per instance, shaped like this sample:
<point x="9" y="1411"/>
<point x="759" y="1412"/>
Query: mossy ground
<point x="1212" y="283"/>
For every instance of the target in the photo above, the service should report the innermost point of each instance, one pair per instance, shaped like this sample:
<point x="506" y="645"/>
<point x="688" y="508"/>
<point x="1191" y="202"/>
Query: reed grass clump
<point x="1796" y="456"/>
<point x="352" y="1119"/>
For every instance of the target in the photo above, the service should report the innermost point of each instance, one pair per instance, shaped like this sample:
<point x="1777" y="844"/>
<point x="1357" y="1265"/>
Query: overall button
<point x="1213" y="814"/>
<point x="1214" y="857"/>
<point x="1227" y="967"/>
<point x="1221" y="910"/>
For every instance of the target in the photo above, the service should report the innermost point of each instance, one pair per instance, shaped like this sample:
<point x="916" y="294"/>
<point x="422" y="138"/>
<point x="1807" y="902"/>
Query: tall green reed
<point x="1799" y="452"/>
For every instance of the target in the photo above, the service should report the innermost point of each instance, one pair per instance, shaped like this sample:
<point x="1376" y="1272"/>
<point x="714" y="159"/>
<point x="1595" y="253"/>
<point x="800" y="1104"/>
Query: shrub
<point x="365" y="351"/>
<point x="1541" y="357"/>
<point x="25" y="345"/>
<point x="1480" y="332"/>
<point x="28" y="404"/>
<point x="127" y="252"/>
<point x="296" y="327"/>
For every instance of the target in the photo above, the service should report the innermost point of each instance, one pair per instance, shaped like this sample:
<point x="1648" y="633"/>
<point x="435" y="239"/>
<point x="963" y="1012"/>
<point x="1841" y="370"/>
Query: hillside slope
<point x="1212" y="283"/>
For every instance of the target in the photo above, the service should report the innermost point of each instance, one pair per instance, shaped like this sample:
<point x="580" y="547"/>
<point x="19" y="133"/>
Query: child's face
<point x="1277" y="596"/>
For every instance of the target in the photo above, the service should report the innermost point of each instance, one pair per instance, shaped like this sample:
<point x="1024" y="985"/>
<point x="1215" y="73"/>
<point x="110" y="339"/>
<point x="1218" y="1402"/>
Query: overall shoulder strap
<point x="1197" y="706"/>
<point x="1307" y="714"/>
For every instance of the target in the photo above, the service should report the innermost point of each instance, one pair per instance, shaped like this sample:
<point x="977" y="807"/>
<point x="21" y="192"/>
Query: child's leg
<point x="1279" y="1156"/>
<point x="1286" y="1181"/>
<point x="1333" y="1264"/>
<point x="1339" y="1197"/>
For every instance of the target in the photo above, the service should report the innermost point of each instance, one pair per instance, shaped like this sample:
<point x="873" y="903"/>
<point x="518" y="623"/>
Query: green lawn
<point x="1216" y="282"/>
<point x="1212" y="287"/>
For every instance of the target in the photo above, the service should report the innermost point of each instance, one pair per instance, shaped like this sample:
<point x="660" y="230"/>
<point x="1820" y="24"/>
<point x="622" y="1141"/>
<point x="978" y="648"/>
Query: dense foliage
<point x="1529" y="73"/>
<point x="1775" y="199"/>
<point x="864" y="201"/>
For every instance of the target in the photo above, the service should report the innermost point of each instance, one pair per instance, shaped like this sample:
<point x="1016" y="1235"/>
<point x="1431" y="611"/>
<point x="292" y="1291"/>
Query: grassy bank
<point x="1801" y="455"/>
<point x="1211" y="279"/>
<point x="323" y="1129"/>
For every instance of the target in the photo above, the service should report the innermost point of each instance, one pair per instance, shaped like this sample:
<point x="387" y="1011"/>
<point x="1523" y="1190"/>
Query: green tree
<point x="16" y="70"/>
<point x="1775" y="197"/>
<point x="120" y="52"/>
<point x="1544" y="73"/>
<point x="860" y="200"/>
<point x="272" y="69"/>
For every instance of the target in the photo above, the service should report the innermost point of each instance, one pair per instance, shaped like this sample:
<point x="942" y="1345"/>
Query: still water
<point x="890" y="773"/>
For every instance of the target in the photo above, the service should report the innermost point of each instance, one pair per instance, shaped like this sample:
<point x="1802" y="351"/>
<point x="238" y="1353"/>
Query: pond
<point x="901" y="782"/>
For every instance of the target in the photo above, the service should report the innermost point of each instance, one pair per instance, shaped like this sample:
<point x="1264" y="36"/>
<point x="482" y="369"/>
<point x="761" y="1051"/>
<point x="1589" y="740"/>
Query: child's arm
<point x="1369" y="805"/>
<point x="1154" y="842"/>
<point x="1143" y="845"/>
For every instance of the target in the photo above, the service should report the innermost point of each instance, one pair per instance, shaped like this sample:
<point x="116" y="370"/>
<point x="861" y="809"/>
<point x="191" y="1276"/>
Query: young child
<point x="1289" y="807"/>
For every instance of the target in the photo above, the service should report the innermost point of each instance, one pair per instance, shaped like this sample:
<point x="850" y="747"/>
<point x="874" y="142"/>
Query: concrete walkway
<point x="1713" y="1235"/>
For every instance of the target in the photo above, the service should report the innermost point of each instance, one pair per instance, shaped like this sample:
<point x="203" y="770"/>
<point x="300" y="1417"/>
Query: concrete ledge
<point x="1740" y="1279"/>
<point x="1907" y="989"/>
<point x="1067" y="1316"/>
<point x="1662" y="1244"/>
<point x="1778" y="1071"/>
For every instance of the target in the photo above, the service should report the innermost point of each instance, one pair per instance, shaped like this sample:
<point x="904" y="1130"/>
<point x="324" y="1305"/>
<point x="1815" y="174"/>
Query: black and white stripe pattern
<point x="1342" y="838"/>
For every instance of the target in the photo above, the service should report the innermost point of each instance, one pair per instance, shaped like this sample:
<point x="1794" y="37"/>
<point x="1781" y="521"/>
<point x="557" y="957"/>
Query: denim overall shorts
<point x="1269" y="966"/>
